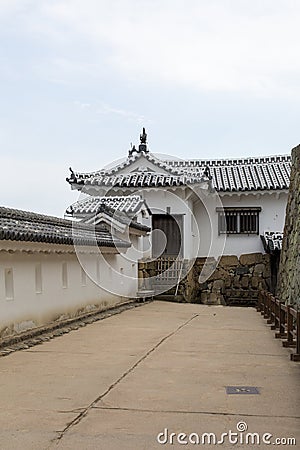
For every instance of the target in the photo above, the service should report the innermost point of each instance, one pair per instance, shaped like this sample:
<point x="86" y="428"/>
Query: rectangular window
<point x="9" y="284"/>
<point x="64" y="275"/>
<point x="38" y="279"/>
<point x="238" y="220"/>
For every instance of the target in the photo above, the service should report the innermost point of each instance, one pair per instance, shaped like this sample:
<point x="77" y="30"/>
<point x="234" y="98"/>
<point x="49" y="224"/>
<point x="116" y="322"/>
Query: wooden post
<point x="282" y="322"/>
<point x="296" y="356"/>
<point x="259" y="302"/>
<point x="267" y="312"/>
<point x="271" y="320"/>
<point x="290" y="336"/>
<point x="276" y="314"/>
<point x="263" y="303"/>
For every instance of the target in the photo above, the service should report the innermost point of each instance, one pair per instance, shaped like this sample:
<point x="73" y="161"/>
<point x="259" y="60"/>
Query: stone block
<point x="223" y="273"/>
<point x="206" y="274"/>
<point x="216" y="299"/>
<point x="213" y="275"/>
<point x="266" y="259"/>
<point x="251" y="258"/>
<point x="236" y="281"/>
<point x="262" y="284"/>
<point x="245" y="281"/>
<point x="228" y="260"/>
<point x="218" y="286"/>
<point x="259" y="269"/>
<point x="204" y="297"/>
<point x="242" y="270"/>
<point x="255" y="281"/>
<point x="228" y="282"/>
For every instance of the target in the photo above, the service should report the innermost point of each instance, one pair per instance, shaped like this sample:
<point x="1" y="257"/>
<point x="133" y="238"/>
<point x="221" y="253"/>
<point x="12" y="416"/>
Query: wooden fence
<point x="284" y="319"/>
<point x="168" y="269"/>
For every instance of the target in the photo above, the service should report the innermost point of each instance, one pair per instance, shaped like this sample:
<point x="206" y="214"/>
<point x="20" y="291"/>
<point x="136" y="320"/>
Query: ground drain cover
<point x="242" y="390"/>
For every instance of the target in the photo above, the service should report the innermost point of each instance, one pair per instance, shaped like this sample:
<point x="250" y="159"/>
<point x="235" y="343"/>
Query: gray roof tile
<point x="244" y="174"/>
<point x="128" y="204"/>
<point x="18" y="225"/>
<point x="121" y="208"/>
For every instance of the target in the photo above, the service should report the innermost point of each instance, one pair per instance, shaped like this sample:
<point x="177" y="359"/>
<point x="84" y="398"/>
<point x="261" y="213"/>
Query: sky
<point x="79" y="80"/>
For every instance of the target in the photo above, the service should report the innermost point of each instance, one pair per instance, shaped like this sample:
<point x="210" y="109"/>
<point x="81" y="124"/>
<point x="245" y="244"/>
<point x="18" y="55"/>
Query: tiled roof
<point x="161" y="164"/>
<point x="138" y="179"/>
<point x="272" y="241"/>
<point x="243" y="174"/>
<point x="247" y="174"/>
<point x="17" y="225"/>
<point x="112" y="207"/>
<point x="128" y="204"/>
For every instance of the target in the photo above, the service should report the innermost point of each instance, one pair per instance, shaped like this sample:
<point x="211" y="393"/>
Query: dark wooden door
<point x="171" y="226"/>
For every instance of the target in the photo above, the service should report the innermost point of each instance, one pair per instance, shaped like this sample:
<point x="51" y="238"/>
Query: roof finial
<point x="143" y="137"/>
<point x="143" y="144"/>
<point x="132" y="150"/>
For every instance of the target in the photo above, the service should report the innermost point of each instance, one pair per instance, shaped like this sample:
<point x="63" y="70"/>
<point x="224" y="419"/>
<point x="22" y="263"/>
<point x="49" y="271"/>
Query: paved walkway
<point x="117" y="383"/>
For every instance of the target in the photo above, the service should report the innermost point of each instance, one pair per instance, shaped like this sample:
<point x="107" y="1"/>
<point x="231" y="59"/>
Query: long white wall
<point x="37" y="288"/>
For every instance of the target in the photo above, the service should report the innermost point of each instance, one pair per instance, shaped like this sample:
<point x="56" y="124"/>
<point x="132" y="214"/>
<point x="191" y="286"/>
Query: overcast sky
<point x="79" y="79"/>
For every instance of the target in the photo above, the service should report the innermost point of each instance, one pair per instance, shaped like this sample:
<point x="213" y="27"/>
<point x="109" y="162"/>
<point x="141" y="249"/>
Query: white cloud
<point x="10" y="7"/>
<point x="108" y="109"/>
<point x="103" y="108"/>
<point x="228" y="45"/>
<point x="213" y="45"/>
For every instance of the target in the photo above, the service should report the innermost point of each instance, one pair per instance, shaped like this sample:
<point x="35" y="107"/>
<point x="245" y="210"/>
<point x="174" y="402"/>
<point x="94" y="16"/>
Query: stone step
<point x="241" y="293"/>
<point x="233" y="301"/>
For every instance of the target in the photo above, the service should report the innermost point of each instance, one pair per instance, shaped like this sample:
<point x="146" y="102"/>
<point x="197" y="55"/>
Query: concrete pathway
<point x="160" y="368"/>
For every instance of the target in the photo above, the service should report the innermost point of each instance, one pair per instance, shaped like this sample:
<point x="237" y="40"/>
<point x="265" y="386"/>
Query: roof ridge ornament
<point x="143" y="137"/>
<point x="142" y="146"/>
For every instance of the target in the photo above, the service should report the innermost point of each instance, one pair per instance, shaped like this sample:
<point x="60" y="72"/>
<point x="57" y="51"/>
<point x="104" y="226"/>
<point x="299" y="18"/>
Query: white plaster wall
<point x="28" y="308"/>
<point x="271" y="217"/>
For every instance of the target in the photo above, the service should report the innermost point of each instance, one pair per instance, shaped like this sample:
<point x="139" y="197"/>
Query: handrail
<point x="283" y="318"/>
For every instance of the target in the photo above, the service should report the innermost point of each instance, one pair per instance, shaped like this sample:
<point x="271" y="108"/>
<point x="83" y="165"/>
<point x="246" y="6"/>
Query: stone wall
<point x="235" y="281"/>
<point x="288" y="288"/>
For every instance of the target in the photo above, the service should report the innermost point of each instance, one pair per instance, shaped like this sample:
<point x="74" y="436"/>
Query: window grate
<point x="238" y="221"/>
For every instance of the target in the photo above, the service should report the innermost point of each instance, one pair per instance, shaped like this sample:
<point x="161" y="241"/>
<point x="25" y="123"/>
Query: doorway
<point x="169" y="241"/>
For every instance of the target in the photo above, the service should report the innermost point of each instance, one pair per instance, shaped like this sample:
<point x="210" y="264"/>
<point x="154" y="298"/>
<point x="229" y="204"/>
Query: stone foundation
<point x="289" y="269"/>
<point x="234" y="281"/>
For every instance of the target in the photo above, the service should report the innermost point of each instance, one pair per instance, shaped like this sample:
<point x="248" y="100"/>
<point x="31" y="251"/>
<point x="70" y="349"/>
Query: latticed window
<point x="238" y="220"/>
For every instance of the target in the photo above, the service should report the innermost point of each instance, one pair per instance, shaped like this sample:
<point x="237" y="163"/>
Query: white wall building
<point x="52" y="269"/>
<point x="203" y="207"/>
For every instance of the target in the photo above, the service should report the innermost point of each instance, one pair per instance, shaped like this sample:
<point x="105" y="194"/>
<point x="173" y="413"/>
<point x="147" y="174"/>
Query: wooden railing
<point x="284" y="319"/>
<point x="168" y="269"/>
